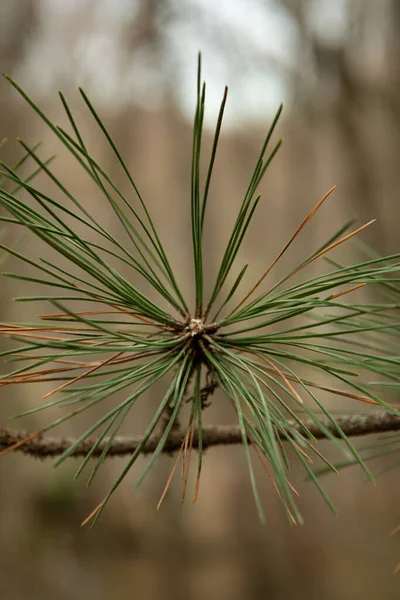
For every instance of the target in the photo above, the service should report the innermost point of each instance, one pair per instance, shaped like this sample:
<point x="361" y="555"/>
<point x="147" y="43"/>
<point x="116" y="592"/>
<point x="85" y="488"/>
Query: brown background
<point x="339" y="74"/>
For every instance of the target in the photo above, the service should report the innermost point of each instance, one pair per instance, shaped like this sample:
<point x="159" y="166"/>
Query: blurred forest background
<point x="336" y="66"/>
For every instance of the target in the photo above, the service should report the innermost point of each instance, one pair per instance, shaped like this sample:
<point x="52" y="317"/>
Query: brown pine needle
<point x="395" y="530"/>
<point x="89" y="313"/>
<point x="264" y="464"/>
<point x="351" y="289"/>
<point x="53" y="338"/>
<point x="331" y="390"/>
<point x="292" y="488"/>
<point x="84" y="374"/>
<point x="55" y="371"/>
<point x="40" y="376"/>
<point x="197" y="487"/>
<point x="282" y="252"/>
<point x="167" y="485"/>
<point x="20" y="330"/>
<point x="84" y="313"/>
<point x="334" y="245"/>
<point x="63" y="361"/>
<point x="285" y="379"/>
<point x="306" y="456"/>
<point x="31" y="379"/>
<point x="352" y="395"/>
<point x="92" y="514"/>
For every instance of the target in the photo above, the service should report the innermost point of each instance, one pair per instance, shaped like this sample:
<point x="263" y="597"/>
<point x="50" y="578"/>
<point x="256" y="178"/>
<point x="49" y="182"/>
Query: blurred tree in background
<point x="336" y="65"/>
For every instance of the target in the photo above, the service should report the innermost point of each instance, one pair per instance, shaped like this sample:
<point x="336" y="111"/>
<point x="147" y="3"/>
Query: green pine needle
<point x="272" y="354"/>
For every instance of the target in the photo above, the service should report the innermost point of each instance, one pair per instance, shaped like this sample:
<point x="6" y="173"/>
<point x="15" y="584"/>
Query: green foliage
<point x="256" y="352"/>
<point x="382" y="316"/>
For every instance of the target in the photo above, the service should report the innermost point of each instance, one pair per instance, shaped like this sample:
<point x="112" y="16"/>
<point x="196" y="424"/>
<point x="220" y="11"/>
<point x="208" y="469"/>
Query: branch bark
<point x="213" y="435"/>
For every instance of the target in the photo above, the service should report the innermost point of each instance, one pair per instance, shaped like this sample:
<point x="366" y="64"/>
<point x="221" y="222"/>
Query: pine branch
<point x="213" y="435"/>
<point x="122" y="340"/>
